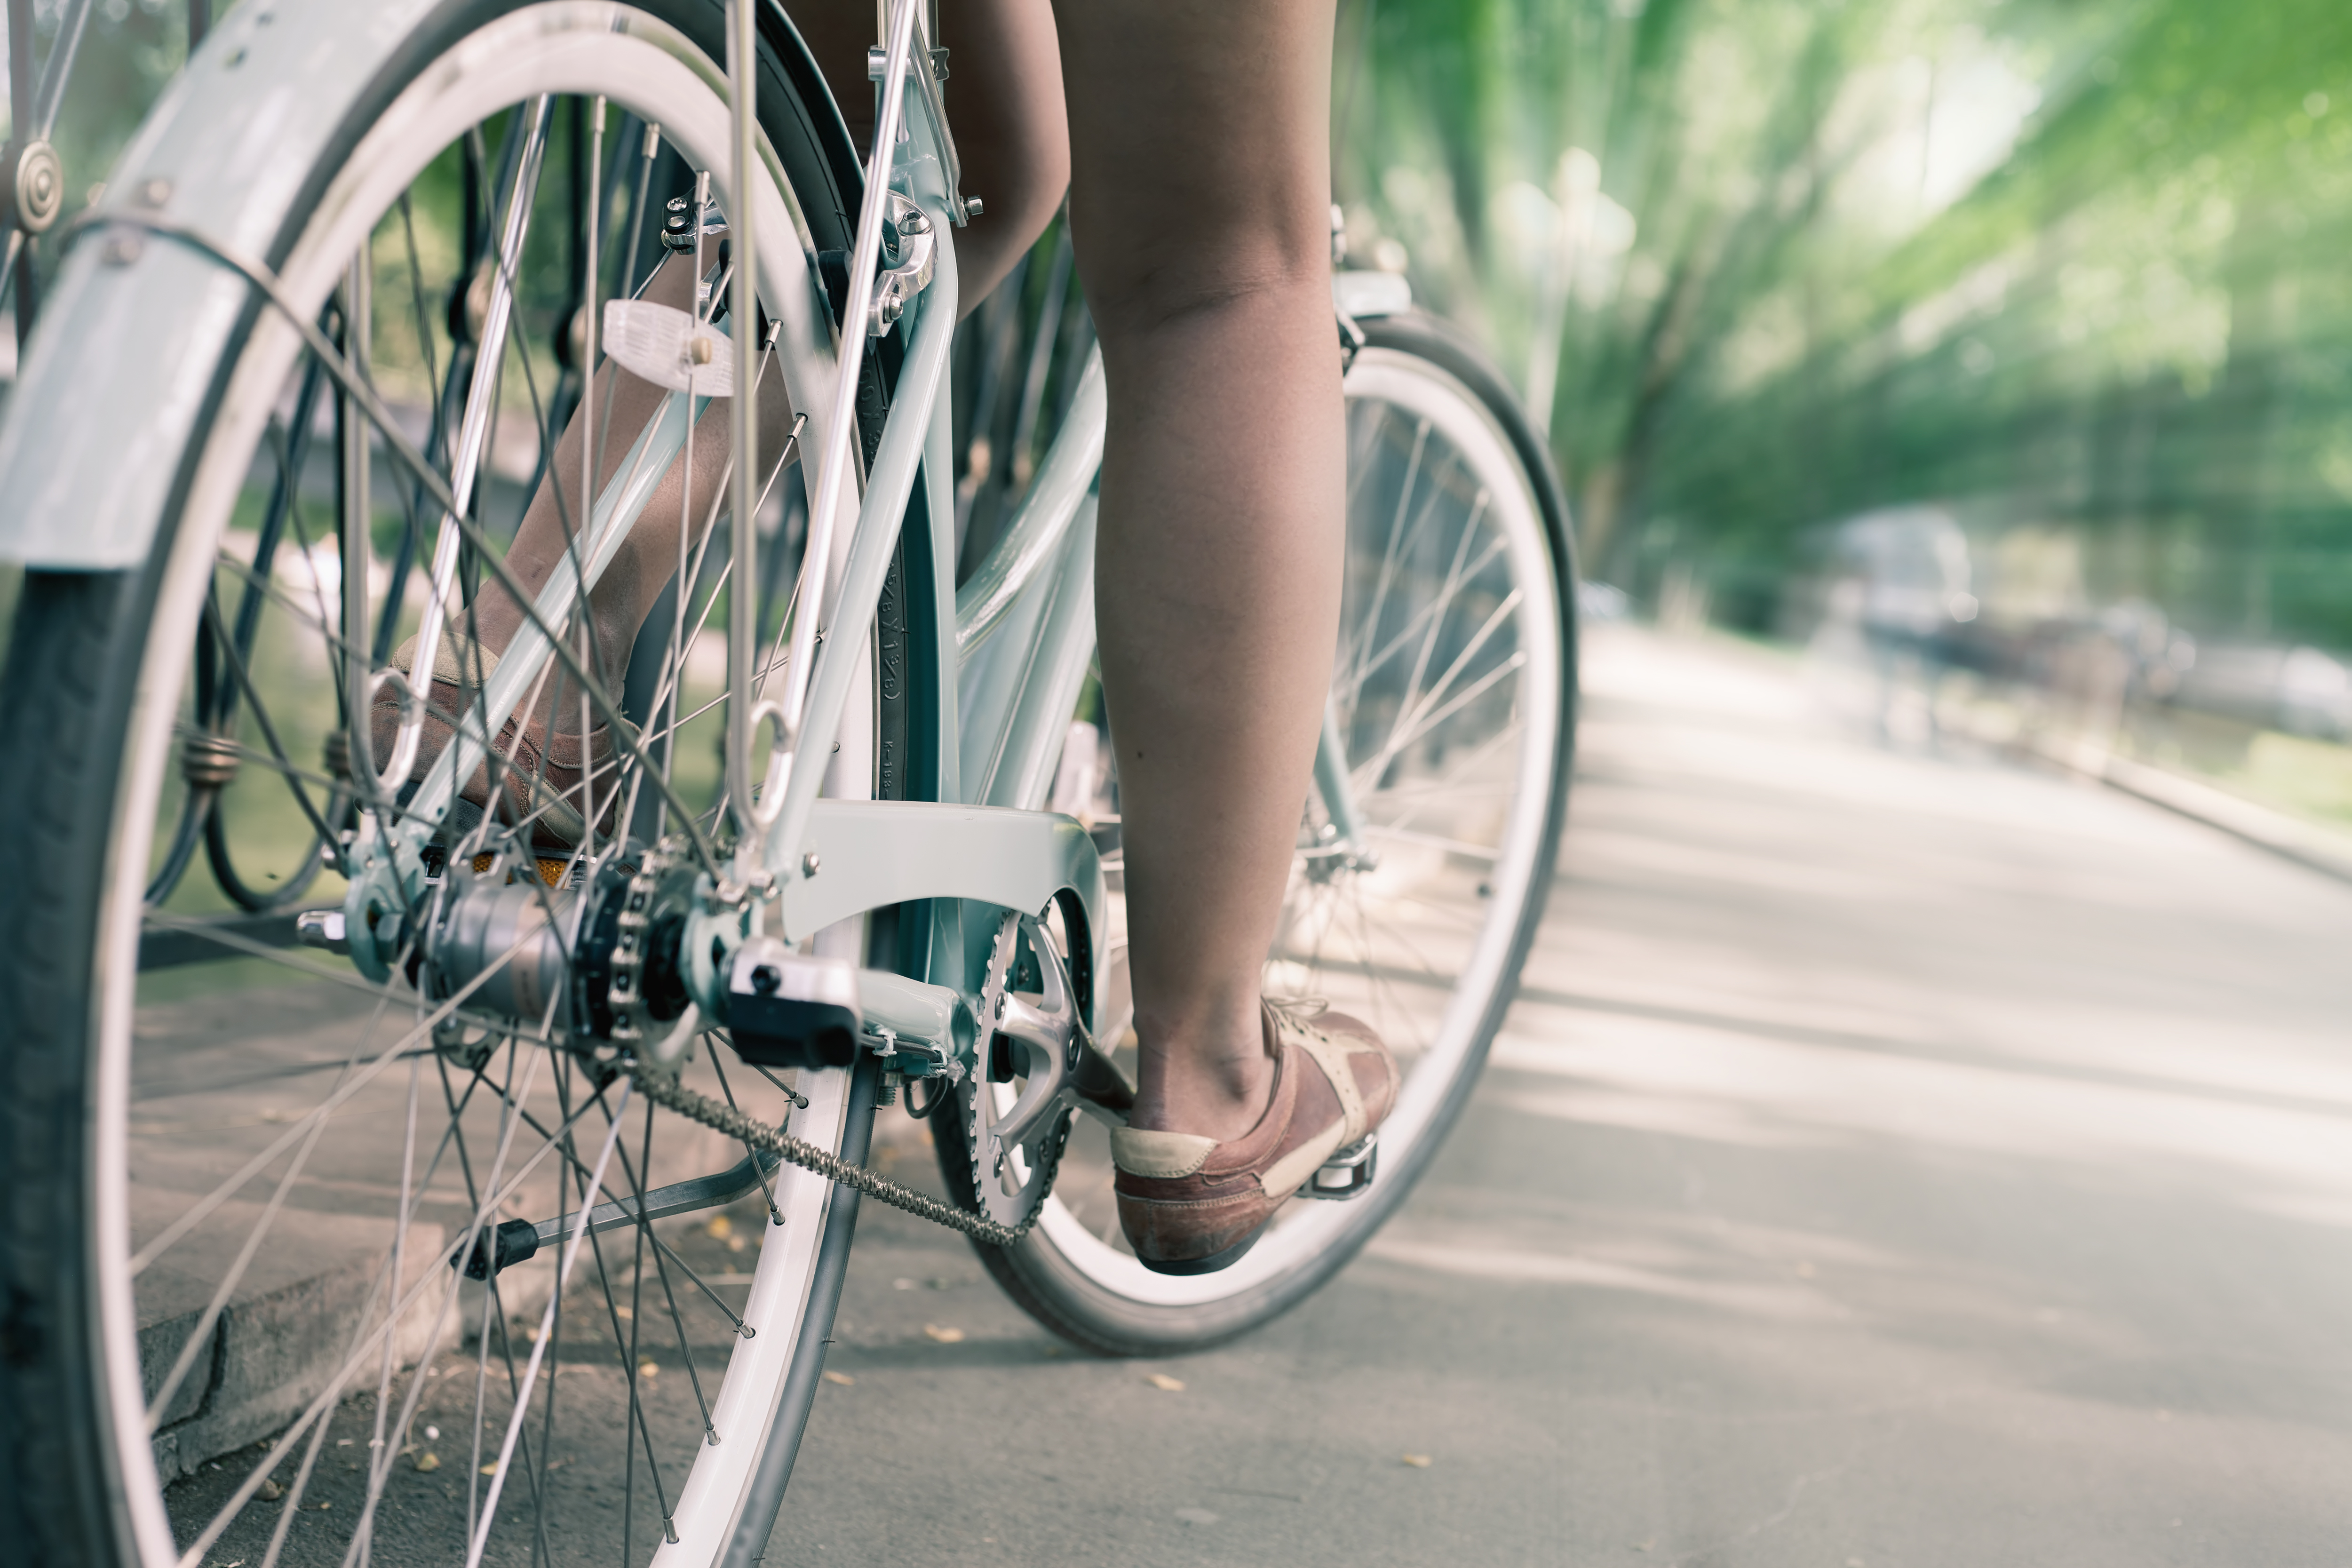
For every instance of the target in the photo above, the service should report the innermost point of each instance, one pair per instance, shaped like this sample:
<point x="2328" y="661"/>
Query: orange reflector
<point x="550" y="871"/>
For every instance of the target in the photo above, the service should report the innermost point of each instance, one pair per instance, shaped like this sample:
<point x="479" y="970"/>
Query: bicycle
<point x="895" y="910"/>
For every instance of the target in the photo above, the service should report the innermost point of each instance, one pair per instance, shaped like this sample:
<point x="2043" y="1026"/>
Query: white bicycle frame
<point x="1006" y="654"/>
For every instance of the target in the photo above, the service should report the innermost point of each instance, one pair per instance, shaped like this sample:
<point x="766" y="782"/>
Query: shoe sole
<point x="1209" y="1265"/>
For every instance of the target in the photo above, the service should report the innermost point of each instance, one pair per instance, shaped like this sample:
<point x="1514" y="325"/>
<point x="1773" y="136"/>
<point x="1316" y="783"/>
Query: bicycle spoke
<point x="1434" y="610"/>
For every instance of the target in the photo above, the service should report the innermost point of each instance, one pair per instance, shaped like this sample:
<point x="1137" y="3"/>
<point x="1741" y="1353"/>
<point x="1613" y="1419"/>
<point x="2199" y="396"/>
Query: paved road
<point x="1892" y="1160"/>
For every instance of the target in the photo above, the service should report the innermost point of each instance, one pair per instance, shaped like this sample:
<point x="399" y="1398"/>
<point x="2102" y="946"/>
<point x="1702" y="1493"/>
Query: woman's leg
<point x="1007" y="119"/>
<point x="1004" y="106"/>
<point x="1199" y="201"/>
<point x="648" y="557"/>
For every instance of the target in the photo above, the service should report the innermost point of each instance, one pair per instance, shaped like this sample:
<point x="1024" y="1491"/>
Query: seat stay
<point x="1002" y="718"/>
<point x="843" y="641"/>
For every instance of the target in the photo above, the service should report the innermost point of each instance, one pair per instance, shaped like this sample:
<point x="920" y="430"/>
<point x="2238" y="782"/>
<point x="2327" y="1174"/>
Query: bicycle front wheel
<point x="1453" y="698"/>
<point x="295" y="1266"/>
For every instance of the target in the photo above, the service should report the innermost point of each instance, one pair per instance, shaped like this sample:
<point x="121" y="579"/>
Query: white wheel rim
<point x="640" y="64"/>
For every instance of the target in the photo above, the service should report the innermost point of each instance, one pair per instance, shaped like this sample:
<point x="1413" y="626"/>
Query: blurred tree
<point x="2062" y="263"/>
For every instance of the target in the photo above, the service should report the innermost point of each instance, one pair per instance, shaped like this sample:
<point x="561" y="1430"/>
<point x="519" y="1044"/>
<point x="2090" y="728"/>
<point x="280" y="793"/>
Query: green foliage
<point x="2063" y="264"/>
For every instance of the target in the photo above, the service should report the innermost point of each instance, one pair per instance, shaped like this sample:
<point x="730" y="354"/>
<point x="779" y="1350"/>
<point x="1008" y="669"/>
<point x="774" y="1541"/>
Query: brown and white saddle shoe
<point x="1192" y="1205"/>
<point x="539" y="775"/>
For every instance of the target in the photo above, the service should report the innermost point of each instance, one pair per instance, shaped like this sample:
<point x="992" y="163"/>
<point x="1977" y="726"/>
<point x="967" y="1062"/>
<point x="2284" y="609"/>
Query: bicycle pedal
<point x="1347" y="1174"/>
<point x="791" y="1009"/>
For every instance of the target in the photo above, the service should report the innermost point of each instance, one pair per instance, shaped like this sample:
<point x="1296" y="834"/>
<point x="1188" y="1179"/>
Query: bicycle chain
<point x="625" y="992"/>
<point x="671" y="1095"/>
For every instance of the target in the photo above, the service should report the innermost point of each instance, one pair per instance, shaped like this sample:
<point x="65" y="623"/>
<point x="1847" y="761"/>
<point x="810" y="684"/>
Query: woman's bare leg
<point x="648" y="556"/>
<point x="1004" y="106"/>
<point x="1199" y="202"/>
<point x="1014" y="145"/>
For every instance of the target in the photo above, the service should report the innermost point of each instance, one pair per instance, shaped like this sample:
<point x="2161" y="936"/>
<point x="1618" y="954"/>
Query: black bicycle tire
<point x="1043" y="1283"/>
<point x="70" y="676"/>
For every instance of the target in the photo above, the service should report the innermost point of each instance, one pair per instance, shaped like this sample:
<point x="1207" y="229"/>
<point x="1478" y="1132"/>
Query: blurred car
<point x="2301" y="690"/>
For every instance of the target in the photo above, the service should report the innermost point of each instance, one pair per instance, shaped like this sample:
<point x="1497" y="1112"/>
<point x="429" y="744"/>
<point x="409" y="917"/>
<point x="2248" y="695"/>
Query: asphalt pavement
<point x="1893" y="1158"/>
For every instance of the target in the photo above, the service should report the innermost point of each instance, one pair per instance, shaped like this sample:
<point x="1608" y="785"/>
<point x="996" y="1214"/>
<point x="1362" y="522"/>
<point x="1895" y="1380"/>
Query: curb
<point x="2291" y="838"/>
<point x="306" y="1301"/>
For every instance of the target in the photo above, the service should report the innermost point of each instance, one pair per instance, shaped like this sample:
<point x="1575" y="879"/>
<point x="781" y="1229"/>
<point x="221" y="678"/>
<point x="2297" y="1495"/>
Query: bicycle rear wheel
<point x="1455" y="699"/>
<point x="236" y="1326"/>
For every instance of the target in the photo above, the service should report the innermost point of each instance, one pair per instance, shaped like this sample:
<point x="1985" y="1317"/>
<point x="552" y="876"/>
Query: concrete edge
<point x="2291" y="838"/>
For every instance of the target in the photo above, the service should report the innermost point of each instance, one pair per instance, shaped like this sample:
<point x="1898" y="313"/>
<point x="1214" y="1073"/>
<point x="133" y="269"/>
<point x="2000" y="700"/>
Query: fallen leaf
<point x="1418" y="1461"/>
<point x="491" y="1468"/>
<point x="271" y="1492"/>
<point x="842" y="1378"/>
<point x="1165" y="1383"/>
<point x="342" y="1442"/>
<point x="649" y="1369"/>
<point x="428" y="1461"/>
<point x="945" y="1336"/>
<point x="720" y="1227"/>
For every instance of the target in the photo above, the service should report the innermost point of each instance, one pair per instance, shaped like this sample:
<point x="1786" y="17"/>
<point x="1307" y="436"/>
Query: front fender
<point x="130" y="353"/>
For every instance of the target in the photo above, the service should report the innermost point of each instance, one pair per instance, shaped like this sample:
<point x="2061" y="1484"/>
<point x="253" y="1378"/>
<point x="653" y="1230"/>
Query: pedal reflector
<point x="1346" y="1174"/>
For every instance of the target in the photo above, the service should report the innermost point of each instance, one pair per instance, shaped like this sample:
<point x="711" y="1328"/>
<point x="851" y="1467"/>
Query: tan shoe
<point x="1192" y="1205"/>
<point x="539" y="780"/>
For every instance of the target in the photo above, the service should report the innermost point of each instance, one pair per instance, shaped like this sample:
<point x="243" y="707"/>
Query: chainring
<point x="1009" y="1183"/>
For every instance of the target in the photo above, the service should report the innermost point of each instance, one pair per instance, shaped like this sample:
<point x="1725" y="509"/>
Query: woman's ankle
<point x="1220" y="1097"/>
